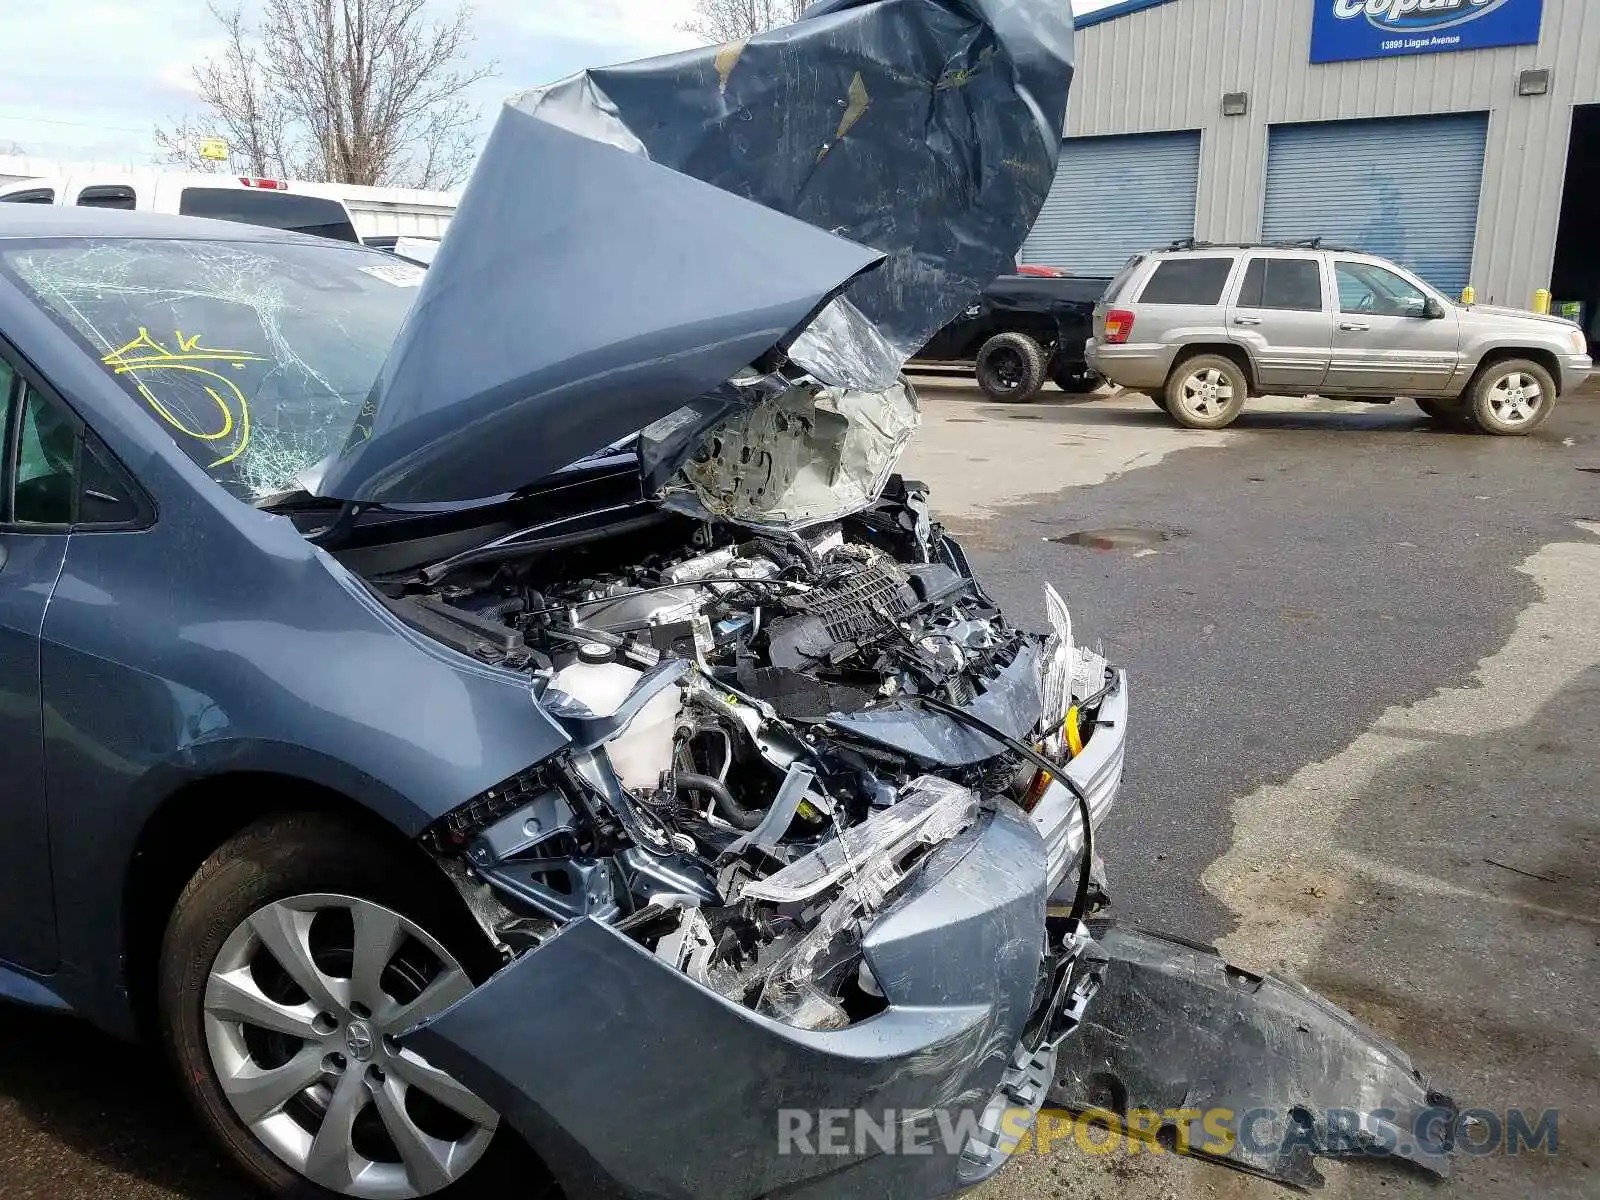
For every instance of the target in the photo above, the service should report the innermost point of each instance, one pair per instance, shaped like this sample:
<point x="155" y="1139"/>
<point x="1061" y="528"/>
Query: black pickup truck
<point x="1024" y="331"/>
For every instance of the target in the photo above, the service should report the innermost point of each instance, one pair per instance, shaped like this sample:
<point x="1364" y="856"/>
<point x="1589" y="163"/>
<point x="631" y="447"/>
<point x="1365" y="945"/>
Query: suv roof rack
<point x="1315" y="243"/>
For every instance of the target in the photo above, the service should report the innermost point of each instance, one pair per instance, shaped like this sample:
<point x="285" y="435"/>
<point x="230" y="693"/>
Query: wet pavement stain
<point x="1126" y="538"/>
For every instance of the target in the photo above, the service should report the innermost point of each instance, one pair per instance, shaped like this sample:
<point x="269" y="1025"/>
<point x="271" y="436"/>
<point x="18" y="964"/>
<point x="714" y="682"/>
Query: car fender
<point x="1185" y="340"/>
<point x="248" y="651"/>
<point x="1547" y="352"/>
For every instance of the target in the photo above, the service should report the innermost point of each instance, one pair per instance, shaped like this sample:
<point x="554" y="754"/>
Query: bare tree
<point x="719" y="21"/>
<point x="353" y="91"/>
<point x="245" y="110"/>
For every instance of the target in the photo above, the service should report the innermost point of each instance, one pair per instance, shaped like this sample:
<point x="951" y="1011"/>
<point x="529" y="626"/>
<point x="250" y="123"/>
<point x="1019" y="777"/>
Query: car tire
<point x="1207" y="391"/>
<point x="1076" y="383"/>
<point x="306" y="882"/>
<point x="1011" y="368"/>
<point x="1510" y="398"/>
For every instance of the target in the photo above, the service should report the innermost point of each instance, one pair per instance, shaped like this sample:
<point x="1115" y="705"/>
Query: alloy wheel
<point x="301" y="1011"/>
<point x="1008" y="368"/>
<point x="1207" y="393"/>
<point x="1516" y="398"/>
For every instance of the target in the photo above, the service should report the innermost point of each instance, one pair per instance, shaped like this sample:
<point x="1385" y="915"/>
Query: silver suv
<point x="1201" y="327"/>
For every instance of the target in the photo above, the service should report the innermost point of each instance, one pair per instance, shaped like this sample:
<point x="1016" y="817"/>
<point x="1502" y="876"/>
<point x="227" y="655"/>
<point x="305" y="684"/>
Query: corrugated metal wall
<point x="1375" y="184"/>
<point x="1113" y="197"/>
<point x="1166" y="68"/>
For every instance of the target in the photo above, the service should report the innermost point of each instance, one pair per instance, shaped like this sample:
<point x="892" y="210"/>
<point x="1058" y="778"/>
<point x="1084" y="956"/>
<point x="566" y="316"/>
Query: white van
<point x="275" y="203"/>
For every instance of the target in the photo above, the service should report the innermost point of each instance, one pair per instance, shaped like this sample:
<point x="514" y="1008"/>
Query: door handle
<point x="1354" y="326"/>
<point x="1247" y="320"/>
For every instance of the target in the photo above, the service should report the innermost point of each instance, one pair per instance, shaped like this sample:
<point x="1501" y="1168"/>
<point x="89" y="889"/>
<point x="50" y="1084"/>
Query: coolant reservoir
<point x="642" y="752"/>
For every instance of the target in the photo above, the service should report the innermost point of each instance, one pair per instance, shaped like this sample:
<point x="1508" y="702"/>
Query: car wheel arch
<point x="187" y="827"/>
<point x="1229" y="350"/>
<point x="1499" y="354"/>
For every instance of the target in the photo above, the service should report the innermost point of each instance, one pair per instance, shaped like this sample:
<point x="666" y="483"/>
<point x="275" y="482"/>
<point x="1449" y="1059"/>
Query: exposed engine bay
<point x="790" y="767"/>
<point x="753" y="767"/>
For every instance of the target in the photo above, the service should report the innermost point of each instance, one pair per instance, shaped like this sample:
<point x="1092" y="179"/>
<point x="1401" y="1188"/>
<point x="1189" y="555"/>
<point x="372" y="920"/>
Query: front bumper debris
<point x="1097" y="772"/>
<point x="631" y="1079"/>
<point x="1177" y="1030"/>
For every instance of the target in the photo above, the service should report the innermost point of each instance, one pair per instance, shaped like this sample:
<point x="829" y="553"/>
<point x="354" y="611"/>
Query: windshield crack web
<point x="246" y="355"/>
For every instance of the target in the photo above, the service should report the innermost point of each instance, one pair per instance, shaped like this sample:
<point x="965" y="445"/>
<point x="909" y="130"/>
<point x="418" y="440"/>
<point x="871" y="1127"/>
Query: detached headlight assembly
<point x="868" y="864"/>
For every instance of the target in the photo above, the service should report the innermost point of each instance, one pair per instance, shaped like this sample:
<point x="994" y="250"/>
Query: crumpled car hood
<point x="704" y="230"/>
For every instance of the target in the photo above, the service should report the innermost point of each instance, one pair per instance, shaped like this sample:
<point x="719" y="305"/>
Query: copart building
<point x="1459" y="137"/>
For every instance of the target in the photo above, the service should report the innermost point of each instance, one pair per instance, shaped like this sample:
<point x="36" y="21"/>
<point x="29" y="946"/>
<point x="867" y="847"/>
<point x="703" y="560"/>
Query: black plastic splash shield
<point x="1174" y="1027"/>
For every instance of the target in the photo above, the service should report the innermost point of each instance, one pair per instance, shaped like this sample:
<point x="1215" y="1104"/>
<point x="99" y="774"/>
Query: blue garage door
<point x="1406" y="189"/>
<point x="1114" y="197"/>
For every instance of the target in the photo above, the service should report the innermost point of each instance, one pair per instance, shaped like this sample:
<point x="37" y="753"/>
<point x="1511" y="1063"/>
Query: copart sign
<point x="1354" y="29"/>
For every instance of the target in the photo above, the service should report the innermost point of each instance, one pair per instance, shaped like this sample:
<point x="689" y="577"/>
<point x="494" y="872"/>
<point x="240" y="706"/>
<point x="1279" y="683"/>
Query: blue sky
<point x="90" y="80"/>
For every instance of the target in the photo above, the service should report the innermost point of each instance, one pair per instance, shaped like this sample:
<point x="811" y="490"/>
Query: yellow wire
<point x="1074" y="737"/>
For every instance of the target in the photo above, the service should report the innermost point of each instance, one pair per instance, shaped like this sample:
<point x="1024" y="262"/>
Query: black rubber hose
<point x="1080" y="902"/>
<point x="735" y="813"/>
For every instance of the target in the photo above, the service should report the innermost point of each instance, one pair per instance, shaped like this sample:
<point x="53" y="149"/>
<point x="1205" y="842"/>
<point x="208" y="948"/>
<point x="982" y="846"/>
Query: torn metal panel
<point x="841" y="348"/>
<point x="1175" y="1027"/>
<point x="635" y="237"/>
<point x="927" y="129"/>
<point x="556" y="319"/>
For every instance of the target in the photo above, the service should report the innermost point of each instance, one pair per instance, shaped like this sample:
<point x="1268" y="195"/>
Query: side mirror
<point x="1433" y="310"/>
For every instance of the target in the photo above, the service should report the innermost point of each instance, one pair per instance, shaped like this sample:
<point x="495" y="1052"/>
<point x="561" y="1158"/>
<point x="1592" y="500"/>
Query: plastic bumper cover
<point x="1575" y="372"/>
<point x="630" y="1079"/>
<point x="1098" y="772"/>
<point x="1131" y="366"/>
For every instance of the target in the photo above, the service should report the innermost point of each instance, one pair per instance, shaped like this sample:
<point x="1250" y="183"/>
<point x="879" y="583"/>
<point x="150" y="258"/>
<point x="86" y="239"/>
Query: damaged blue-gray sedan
<point x="509" y="722"/>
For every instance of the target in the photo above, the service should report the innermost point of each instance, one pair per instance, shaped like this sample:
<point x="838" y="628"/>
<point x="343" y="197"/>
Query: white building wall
<point x="1167" y="67"/>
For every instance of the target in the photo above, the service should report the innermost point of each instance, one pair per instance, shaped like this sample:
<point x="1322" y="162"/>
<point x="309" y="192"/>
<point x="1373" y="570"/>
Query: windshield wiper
<point x="293" y="500"/>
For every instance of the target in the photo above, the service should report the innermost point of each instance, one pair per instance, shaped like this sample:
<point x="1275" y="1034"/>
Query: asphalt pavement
<point x="1365" y="659"/>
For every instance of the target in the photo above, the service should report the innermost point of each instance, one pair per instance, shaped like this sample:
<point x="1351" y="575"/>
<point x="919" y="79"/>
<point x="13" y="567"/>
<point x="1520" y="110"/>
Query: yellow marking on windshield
<point x="144" y="354"/>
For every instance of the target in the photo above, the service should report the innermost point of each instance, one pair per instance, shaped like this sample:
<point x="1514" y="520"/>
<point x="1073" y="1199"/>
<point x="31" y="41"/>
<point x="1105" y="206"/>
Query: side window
<point x="1292" y="285"/>
<point x="1254" y="285"/>
<point x="43" y="472"/>
<point x="1374" y="291"/>
<point x="31" y="196"/>
<point x="1187" y="281"/>
<point x="106" y="496"/>
<point x="57" y="474"/>
<point x="1122" y="277"/>
<point x="108" y="196"/>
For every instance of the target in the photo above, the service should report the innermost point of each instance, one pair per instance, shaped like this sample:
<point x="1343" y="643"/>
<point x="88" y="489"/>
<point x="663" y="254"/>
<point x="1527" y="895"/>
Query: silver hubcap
<point x="301" y="1009"/>
<point x="1516" y="398"/>
<point x="1207" y="393"/>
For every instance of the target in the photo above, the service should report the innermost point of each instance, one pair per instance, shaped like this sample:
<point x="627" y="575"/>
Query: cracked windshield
<point x="257" y="358"/>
